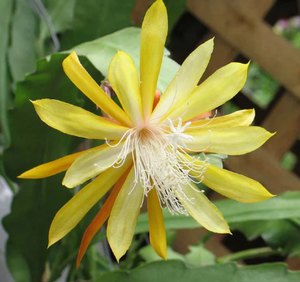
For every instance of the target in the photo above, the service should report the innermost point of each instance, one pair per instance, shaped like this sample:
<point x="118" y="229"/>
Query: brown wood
<point x="139" y="10"/>
<point x="242" y="28"/>
<point x="285" y="119"/>
<point x="261" y="166"/>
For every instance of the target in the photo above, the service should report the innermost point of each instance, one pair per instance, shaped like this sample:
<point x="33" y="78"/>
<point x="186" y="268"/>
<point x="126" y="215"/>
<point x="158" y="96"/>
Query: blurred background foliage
<point x="35" y="38"/>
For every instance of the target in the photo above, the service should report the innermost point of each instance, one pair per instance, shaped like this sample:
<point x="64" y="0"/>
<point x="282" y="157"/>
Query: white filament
<point x="161" y="162"/>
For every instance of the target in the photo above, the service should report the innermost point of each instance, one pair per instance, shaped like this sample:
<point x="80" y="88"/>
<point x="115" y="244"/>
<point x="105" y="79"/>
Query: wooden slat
<point x="285" y="119"/>
<point x="223" y="52"/>
<point x="242" y="28"/>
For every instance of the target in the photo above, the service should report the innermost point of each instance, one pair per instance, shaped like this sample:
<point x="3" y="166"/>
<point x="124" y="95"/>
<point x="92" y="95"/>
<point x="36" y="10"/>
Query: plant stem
<point x="248" y="254"/>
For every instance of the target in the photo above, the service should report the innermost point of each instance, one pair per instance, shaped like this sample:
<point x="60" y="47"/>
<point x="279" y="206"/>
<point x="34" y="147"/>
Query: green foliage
<point x="23" y="33"/>
<point x="197" y="255"/>
<point x="174" y="271"/>
<point x="93" y="19"/>
<point x="279" y="234"/>
<point x="61" y="14"/>
<point x="5" y="14"/>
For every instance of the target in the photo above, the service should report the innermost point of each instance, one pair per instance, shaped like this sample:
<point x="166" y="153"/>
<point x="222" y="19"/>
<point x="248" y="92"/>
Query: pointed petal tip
<point x="267" y="195"/>
<point x="162" y="254"/>
<point x="263" y="195"/>
<point x="78" y="260"/>
<point x="22" y="175"/>
<point x="269" y="135"/>
<point x="117" y="256"/>
<point x="26" y="175"/>
<point x="34" y="102"/>
<point x="211" y="41"/>
<point x="222" y="230"/>
<point x="50" y="243"/>
<point x="29" y="174"/>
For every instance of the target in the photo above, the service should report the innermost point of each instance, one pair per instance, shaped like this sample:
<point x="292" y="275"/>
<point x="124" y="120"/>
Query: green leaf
<point x="149" y="255"/>
<point x="199" y="256"/>
<point x="34" y="143"/>
<point x="101" y="51"/>
<point x="286" y="206"/>
<point x="214" y="159"/>
<point x="6" y="8"/>
<point x="21" y="55"/>
<point x="278" y="234"/>
<point x="177" y="271"/>
<point x="94" y="19"/>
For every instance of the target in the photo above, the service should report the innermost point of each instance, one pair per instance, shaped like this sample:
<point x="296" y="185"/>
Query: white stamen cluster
<point x="161" y="162"/>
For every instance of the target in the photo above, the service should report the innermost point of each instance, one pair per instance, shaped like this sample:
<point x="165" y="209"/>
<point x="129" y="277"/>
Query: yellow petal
<point x="75" y="121"/>
<point x="91" y="164"/>
<point x="74" y="210"/>
<point x="202" y="210"/>
<point x="184" y="81"/>
<point x="220" y="87"/>
<point x="156" y="225"/>
<point x="54" y="167"/>
<point x="238" y="118"/>
<point x="235" y="186"/>
<point x="124" y="215"/>
<point x="124" y="79"/>
<point x="86" y="84"/>
<point x="229" y="141"/>
<point x="154" y="33"/>
<point x="100" y="218"/>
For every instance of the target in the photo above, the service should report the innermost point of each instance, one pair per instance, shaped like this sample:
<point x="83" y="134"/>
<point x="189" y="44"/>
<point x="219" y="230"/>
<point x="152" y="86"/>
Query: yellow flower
<point x="151" y="153"/>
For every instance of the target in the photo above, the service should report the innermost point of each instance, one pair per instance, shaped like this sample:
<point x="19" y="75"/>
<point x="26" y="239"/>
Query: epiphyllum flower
<point x="150" y="152"/>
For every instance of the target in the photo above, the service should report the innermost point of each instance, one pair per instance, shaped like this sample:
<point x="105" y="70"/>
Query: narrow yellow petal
<point x="124" y="215"/>
<point x="124" y="79"/>
<point x="238" y="118"/>
<point x="54" y="167"/>
<point x="74" y="210"/>
<point x="157" y="230"/>
<point x="228" y="140"/>
<point x="75" y="121"/>
<point x="86" y="84"/>
<point x="235" y="186"/>
<point x="202" y="210"/>
<point x="91" y="164"/>
<point x="184" y="81"/>
<point x="154" y="33"/>
<point x="220" y="87"/>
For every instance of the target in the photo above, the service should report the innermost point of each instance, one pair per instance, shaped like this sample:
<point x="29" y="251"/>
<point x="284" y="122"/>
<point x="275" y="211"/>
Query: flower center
<point x="161" y="163"/>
